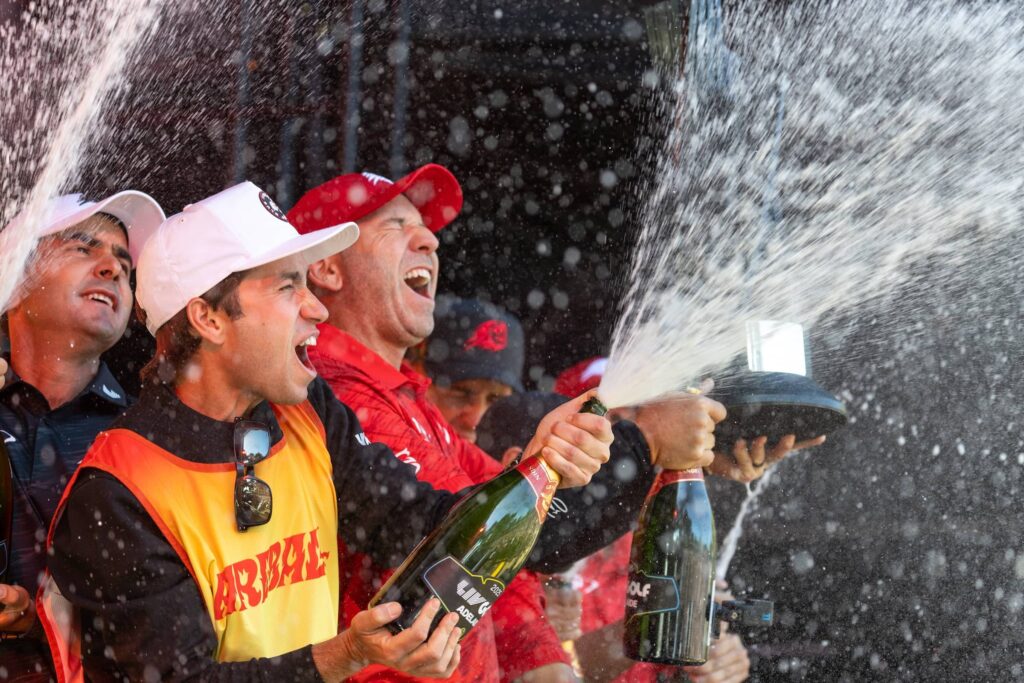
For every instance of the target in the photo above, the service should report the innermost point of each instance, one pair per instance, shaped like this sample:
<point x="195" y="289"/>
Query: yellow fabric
<point x="273" y="588"/>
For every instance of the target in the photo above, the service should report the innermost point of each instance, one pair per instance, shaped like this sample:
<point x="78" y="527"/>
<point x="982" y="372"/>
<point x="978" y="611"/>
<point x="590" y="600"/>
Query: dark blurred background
<point x="539" y="109"/>
<point x="893" y="552"/>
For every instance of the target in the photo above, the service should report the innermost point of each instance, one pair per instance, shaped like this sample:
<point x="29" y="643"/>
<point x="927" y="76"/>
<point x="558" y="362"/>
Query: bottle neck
<point x="672" y="476"/>
<point x="668" y="477"/>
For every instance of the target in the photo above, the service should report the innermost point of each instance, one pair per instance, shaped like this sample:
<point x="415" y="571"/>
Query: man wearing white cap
<point x="199" y="538"/>
<point x="72" y="305"/>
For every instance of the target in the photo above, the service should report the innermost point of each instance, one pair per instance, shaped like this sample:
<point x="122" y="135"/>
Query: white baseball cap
<point x="138" y="211"/>
<point x="234" y="230"/>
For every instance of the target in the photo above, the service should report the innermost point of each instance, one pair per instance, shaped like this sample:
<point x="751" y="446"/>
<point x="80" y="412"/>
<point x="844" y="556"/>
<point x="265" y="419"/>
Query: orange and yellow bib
<point x="268" y="590"/>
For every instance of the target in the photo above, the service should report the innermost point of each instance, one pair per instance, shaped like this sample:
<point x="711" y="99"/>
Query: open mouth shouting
<point x="302" y="351"/>
<point x="102" y="297"/>
<point x="418" y="280"/>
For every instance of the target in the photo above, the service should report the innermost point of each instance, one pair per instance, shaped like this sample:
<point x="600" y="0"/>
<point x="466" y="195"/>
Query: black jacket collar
<point x="159" y="416"/>
<point x="106" y="387"/>
<point x="103" y="385"/>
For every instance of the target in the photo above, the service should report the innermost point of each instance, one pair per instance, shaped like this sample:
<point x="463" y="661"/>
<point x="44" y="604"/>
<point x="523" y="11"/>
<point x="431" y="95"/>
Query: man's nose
<point x="313" y="309"/>
<point x="474" y="413"/>
<point x="108" y="267"/>
<point x="423" y="240"/>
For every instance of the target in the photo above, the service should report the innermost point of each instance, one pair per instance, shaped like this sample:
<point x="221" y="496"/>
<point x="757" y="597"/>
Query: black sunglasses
<point x="254" y="502"/>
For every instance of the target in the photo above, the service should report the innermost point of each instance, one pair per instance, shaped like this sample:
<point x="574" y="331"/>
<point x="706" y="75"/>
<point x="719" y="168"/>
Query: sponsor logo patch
<point x="376" y="179"/>
<point x="407" y="458"/>
<point x="271" y="207"/>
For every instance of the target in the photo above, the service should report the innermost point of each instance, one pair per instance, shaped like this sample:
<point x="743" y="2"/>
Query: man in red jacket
<point x="380" y="300"/>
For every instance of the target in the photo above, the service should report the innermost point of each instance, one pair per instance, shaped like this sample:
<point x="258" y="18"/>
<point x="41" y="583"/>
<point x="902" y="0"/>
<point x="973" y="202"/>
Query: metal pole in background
<point x="313" y="29"/>
<point x="353" y="93"/>
<point x="285" y="190"/>
<point x="709" y="65"/>
<point x="401" y="105"/>
<point x="242" y="102"/>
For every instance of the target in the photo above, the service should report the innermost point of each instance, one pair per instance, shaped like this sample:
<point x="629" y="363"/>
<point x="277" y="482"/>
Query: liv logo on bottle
<point x="462" y="591"/>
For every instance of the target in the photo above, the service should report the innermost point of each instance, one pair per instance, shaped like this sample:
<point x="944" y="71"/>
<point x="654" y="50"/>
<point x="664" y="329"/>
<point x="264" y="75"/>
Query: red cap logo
<point x="491" y="335"/>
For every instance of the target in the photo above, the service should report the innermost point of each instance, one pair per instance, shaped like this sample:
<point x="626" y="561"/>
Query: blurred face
<point x="265" y="350"/>
<point x="78" y="287"/>
<point x="390" y="276"/>
<point x="464" y="403"/>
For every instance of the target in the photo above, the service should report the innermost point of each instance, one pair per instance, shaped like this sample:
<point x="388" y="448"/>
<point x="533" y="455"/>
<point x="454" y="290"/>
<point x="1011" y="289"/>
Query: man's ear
<point x="207" y="322"/>
<point x="326" y="273"/>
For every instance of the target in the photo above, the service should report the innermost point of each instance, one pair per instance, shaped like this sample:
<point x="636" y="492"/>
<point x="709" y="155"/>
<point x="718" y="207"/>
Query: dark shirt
<point x="45" y="447"/>
<point x="142" y="615"/>
<point x="583" y="520"/>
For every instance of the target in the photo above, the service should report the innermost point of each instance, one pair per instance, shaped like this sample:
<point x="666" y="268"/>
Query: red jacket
<point x="392" y="407"/>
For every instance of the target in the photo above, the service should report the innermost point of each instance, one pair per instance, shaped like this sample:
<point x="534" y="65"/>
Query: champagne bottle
<point x="670" y="594"/>
<point x="468" y="560"/>
<point x="6" y="511"/>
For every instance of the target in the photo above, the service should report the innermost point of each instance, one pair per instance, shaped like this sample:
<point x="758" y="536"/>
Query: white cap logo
<point x="270" y="206"/>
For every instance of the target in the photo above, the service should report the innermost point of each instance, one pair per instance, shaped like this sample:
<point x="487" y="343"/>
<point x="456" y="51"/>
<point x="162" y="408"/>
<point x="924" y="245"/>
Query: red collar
<point x="342" y="347"/>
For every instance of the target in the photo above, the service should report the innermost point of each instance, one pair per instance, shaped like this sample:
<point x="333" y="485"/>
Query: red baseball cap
<point x="582" y="377"/>
<point x="432" y="189"/>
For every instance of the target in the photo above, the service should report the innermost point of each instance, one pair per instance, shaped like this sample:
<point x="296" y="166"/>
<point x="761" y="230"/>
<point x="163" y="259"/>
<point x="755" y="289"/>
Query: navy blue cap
<point x="474" y="339"/>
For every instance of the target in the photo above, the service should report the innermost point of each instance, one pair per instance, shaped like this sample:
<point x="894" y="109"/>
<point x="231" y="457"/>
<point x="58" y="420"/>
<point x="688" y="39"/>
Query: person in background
<point x="380" y="300"/>
<point x="473" y="357"/>
<point x="56" y="395"/>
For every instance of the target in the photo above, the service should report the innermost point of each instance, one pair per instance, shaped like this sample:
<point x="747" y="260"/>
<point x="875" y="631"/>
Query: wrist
<point x="649" y="431"/>
<point x="337" y="659"/>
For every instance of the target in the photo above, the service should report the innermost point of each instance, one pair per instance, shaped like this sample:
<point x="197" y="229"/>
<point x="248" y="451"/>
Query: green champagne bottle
<point x="670" y="604"/>
<point x="469" y="559"/>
